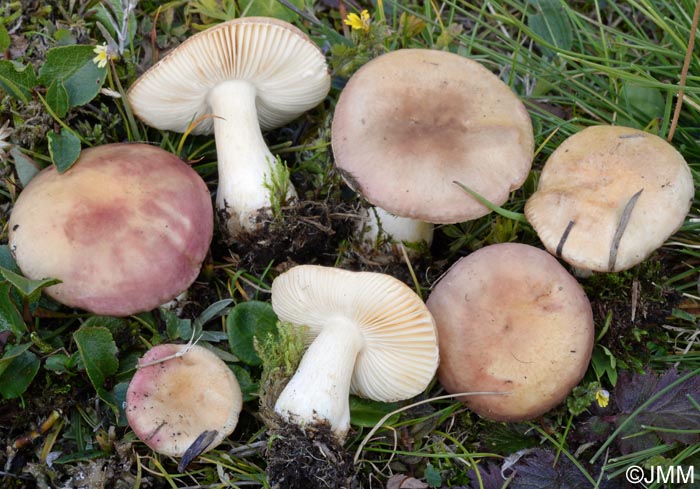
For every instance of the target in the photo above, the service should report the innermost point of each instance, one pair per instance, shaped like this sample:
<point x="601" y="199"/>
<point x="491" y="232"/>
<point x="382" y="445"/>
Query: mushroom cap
<point x="411" y="122"/>
<point x="591" y="178"/>
<point x="286" y="67"/>
<point x="399" y="355"/>
<point x="169" y="404"/>
<point x="125" y="229"/>
<point x="511" y="319"/>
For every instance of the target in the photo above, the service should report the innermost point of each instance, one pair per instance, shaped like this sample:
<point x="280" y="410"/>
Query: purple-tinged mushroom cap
<point x="125" y="229"/>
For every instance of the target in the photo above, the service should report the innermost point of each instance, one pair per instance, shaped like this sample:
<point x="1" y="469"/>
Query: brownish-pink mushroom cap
<point x="125" y="229"/>
<point x="511" y="319"/>
<point x="411" y="122"/>
<point x="170" y="403"/>
<point x="609" y="196"/>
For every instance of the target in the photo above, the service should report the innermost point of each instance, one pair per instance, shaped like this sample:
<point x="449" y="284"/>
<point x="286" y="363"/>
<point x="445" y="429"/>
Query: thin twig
<point x="684" y="72"/>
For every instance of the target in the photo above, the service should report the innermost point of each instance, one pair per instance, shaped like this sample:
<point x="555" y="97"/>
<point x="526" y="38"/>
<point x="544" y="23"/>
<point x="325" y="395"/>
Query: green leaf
<point x="73" y="66"/>
<point x="432" y="476"/>
<point x="5" y="40"/>
<point x="58" y="362"/>
<point x="249" y="389"/>
<point x="7" y="261"/>
<point x="271" y="8"/>
<point x="246" y="321"/>
<point x="115" y="326"/>
<point x="64" y="37"/>
<point x="216" y="309"/>
<point x="17" y="80"/>
<point x="28" y="289"/>
<point x="643" y="104"/>
<point x="176" y="327"/>
<point x="119" y="394"/>
<point x="14" y="381"/>
<point x="99" y="354"/>
<point x="551" y="24"/>
<point x="64" y="149"/>
<point x="25" y="166"/>
<point x="11" y="354"/>
<point x="515" y="216"/>
<point x="10" y="318"/>
<point x="57" y="98"/>
<point x="604" y="363"/>
<point x="83" y="456"/>
<point x="367" y="413"/>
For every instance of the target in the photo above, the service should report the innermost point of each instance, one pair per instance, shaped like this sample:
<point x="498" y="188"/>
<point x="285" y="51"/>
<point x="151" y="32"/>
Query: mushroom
<point x="511" y="319"/>
<point x="247" y="73"/>
<point x="369" y="335"/>
<point x="609" y="196"/>
<point x="411" y="122"/>
<point x="180" y="395"/>
<point x="125" y="229"/>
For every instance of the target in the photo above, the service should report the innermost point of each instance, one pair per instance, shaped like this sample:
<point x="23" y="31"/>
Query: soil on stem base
<point x="309" y="458"/>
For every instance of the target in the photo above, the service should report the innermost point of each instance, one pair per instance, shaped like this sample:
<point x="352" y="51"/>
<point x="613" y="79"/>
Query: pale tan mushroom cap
<point x="399" y="355"/>
<point x="589" y="180"/>
<point x="412" y="121"/>
<point x="169" y="404"/>
<point x="511" y="319"/>
<point x="125" y="229"/>
<point x="286" y="67"/>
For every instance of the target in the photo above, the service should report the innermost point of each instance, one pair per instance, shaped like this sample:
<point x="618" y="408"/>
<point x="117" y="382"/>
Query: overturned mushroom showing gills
<point x="369" y="335"/>
<point x="511" y="319"/>
<point x="609" y="196"/>
<point x="411" y="122"/>
<point x="246" y="74"/>
<point x="173" y="400"/>
<point x="125" y="229"/>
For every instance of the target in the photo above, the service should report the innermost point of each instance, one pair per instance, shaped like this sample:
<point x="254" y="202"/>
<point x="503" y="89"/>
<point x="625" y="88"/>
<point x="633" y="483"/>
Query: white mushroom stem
<point x="244" y="161"/>
<point x="319" y="390"/>
<point x="379" y="225"/>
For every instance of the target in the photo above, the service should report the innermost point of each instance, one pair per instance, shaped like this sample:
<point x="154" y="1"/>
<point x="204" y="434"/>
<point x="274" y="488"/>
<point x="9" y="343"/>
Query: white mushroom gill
<point x="369" y="335"/>
<point x="238" y="78"/>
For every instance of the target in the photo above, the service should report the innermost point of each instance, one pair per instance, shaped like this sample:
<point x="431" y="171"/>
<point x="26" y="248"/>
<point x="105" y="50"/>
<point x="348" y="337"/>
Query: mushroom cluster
<point x="128" y="226"/>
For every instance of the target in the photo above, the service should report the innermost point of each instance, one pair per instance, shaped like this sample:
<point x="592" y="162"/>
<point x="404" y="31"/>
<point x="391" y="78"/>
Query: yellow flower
<point x="361" y="21"/>
<point x="602" y="397"/>
<point x="103" y="55"/>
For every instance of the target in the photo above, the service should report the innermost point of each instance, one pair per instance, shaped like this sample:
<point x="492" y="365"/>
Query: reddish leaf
<point x="671" y="410"/>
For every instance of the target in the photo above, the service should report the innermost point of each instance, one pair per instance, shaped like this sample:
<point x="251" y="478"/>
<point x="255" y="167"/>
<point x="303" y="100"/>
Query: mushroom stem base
<point x="308" y="458"/>
<point x="379" y="234"/>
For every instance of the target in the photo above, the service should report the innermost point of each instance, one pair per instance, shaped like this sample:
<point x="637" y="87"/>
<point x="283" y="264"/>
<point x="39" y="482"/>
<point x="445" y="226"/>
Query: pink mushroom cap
<point x="171" y="403"/>
<point x="125" y="229"/>
<point x="512" y="320"/>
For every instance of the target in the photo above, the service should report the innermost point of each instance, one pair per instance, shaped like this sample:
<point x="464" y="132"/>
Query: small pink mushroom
<point x="172" y="400"/>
